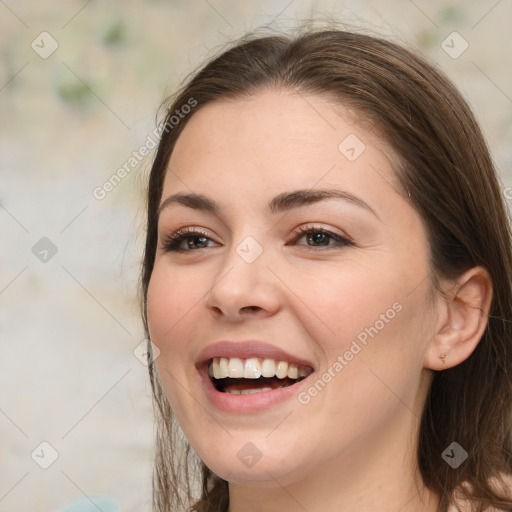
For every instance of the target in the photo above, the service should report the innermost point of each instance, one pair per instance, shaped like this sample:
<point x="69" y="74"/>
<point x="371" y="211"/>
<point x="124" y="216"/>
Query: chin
<point x="250" y="466"/>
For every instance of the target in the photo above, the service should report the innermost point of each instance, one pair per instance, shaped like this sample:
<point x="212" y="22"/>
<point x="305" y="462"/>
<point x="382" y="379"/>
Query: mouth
<point x="246" y="376"/>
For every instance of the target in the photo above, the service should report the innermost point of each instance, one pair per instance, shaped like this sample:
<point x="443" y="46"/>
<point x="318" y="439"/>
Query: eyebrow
<point x="281" y="203"/>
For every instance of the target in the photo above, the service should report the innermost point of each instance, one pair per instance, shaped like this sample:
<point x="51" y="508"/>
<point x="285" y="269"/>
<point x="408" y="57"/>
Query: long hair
<point x="447" y="171"/>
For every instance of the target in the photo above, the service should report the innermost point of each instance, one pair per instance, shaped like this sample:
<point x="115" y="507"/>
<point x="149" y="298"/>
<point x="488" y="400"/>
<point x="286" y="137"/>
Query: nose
<point x="242" y="289"/>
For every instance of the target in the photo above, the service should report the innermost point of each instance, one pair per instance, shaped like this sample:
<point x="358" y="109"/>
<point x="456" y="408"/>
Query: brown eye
<point x="319" y="237"/>
<point x="194" y="240"/>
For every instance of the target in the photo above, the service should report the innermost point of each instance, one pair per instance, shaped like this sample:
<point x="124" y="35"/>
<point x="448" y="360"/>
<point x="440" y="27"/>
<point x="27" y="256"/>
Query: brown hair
<point x="446" y="168"/>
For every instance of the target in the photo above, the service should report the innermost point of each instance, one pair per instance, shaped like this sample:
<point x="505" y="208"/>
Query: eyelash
<point x="172" y="241"/>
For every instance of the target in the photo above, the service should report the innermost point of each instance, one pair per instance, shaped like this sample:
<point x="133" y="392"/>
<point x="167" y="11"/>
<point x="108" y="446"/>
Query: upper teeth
<point x="254" y="368"/>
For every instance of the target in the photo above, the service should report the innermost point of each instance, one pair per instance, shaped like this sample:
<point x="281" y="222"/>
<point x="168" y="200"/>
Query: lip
<point x="254" y="402"/>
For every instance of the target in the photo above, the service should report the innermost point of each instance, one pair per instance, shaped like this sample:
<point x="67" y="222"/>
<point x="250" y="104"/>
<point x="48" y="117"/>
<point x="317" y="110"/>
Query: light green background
<point x="68" y="375"/>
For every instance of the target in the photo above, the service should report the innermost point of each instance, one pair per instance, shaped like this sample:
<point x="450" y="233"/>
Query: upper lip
<point x="246" y="349"/>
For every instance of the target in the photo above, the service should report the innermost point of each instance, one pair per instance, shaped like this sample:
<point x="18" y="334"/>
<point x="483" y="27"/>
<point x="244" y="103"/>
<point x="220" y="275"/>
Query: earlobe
<point x="462" y="314"/>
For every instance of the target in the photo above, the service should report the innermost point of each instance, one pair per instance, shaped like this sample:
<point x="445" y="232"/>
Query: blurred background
<point x="80" y="85"/>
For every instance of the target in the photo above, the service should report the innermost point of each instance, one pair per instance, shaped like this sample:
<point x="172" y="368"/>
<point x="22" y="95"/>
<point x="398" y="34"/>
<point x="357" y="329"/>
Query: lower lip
<point x="254" y="402"/>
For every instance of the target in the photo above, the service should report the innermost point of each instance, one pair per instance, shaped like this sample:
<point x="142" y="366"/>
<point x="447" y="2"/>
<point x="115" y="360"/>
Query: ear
<point x="462" y="316"/>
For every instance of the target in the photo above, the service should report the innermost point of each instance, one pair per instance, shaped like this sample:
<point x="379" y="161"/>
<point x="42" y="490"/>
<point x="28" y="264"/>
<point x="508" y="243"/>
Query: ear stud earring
<point x="443" y="358"/>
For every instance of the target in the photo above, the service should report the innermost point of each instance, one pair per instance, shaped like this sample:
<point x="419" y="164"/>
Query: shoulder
<point x="502" y="485"/>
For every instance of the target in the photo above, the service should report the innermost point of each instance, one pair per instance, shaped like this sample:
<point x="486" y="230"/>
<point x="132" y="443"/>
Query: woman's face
<point x="347" y="307"/>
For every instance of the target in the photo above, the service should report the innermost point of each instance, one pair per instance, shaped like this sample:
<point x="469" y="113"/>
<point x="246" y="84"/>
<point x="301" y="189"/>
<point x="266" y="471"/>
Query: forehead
<point x="270" y="120"/>
<point x="273" y="141"/>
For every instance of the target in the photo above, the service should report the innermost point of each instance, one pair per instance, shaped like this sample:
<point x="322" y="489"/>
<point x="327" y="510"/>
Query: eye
<point x="320" y="236"/>
<point x="198" y="239"/>
<point x="174" y="241"/>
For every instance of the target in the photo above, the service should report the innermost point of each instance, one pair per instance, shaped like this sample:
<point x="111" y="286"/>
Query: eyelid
<point x="171" y="242"/>
<point x="167" y="238"/>
<point x="304" y="228"/>
<point x="340" y="239"/>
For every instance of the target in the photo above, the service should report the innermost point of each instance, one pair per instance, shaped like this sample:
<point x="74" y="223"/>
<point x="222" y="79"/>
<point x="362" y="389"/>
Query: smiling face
<point x="348" y="299"/>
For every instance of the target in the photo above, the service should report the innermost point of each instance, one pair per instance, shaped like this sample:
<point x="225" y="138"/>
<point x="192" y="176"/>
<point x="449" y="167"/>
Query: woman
<point x="327" y="278"/>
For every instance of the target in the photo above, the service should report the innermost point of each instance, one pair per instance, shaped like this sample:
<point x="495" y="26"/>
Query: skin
<point x="353" y="446"/>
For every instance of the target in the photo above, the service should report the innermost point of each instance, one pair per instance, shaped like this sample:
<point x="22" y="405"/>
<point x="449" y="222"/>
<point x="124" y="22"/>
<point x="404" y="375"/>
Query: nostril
<point x="251" y="308"/>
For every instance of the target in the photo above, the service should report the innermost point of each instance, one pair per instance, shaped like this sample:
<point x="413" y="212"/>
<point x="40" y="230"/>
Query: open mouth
<point x="254" y="375"/>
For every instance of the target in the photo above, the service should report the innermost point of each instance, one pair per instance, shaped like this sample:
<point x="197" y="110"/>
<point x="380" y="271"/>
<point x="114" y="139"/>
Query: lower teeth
<point x="247" y="391"/>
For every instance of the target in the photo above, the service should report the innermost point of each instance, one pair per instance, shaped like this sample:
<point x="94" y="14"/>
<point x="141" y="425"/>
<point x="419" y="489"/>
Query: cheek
<point x="367" y="313"/>
<point x="169" y="307"/>
<point x="171" y="298"/>
<point x="346" y="302"/>
<point x="159" y="303"/>
<point x="377" y="354"/>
